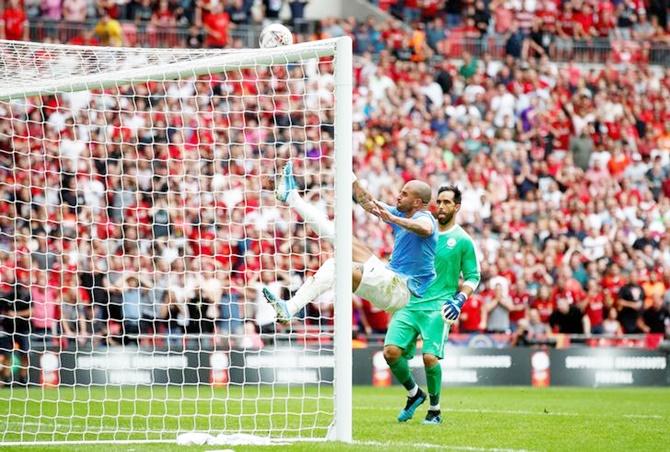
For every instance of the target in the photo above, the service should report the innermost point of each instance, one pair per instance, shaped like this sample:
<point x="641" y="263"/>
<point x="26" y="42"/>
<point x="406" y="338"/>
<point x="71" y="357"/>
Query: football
<point x="275" y="35"/>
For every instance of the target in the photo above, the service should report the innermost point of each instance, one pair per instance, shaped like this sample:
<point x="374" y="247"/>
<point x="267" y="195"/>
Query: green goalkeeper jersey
<point x="455" y="256"/>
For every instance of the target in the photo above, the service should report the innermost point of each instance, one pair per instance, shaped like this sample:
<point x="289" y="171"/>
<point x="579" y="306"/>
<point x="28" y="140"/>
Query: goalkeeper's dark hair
<point x="454" y="189"/>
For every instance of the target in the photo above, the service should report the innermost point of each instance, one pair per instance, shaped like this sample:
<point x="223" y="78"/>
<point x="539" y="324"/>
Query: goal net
<point x="139" y="225"/>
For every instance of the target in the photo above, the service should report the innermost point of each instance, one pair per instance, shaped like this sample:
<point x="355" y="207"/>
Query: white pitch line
<point x="386" y="444"/>
<point x="534" y="413"/>
<point x="389" y="444"/>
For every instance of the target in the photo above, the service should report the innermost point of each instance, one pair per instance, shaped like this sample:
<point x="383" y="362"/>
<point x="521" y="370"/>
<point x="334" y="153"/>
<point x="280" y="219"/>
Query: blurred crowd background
<point x="633" y="31"/>
<point x="146" y="213"/>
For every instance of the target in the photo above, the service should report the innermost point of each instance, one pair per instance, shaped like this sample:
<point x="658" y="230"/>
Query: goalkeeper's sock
<point x="434" y="383"/>
<point x="314" y="286"/>
<point x="400" y="369"/>
<point x="313" y="216"/>
<point x="412" y="392"/>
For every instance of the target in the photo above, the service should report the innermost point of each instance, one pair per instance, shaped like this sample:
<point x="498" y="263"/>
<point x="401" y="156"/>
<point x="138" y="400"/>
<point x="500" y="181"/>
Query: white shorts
<point x="382" y="287"/>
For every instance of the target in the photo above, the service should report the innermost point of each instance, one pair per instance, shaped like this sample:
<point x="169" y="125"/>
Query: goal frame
<point x="341" y="429"/>
<point x="343" y="240"/>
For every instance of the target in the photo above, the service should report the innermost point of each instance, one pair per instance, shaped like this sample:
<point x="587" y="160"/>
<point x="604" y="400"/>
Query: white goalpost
<point x="138" y="227"/>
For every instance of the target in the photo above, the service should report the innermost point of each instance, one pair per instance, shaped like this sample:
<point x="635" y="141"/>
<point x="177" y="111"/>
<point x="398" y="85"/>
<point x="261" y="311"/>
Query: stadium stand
<point x="575" y="30"/>
<point x="565" y="170"/>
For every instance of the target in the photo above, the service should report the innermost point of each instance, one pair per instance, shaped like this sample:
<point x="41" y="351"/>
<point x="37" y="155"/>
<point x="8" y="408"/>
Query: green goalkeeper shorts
<point x="407" y="325"/>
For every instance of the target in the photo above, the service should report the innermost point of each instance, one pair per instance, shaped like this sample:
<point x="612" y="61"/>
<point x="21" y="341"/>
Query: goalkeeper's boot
<point x="410" y="407"/>
<point x="279" y="305"/>
<point x="286" y="183"/>
<point x="433" y="417"/>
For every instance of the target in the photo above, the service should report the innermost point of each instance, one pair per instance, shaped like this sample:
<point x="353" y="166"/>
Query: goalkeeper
<point x="388" y="287"/>
<point x="431" y="315"/>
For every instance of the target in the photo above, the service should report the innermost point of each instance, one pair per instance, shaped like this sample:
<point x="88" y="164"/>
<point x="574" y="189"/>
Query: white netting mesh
<point x="136" y="234"/>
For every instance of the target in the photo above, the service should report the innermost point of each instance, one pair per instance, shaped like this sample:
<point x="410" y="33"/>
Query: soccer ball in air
<point x="275" y="35"/>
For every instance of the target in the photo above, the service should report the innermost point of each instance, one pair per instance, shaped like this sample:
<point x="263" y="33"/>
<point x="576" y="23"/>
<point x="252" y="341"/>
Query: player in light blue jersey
<point x="413" y="254"/>
<point x="388" y="287"/>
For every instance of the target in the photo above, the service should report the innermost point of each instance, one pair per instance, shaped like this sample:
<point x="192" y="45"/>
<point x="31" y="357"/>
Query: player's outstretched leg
<point x="286" y="191"/>
<point x="313" y="286"/>
<point x="279" y="305"/>
<point x="400" y="368"/>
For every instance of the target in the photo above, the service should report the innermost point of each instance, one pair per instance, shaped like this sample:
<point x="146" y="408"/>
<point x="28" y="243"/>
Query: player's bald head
<point x="415" y="195"/>
<point x="420" y="190"/>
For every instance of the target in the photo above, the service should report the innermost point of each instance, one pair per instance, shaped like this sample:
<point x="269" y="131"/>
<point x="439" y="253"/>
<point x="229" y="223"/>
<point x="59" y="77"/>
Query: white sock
<point x="434" y="407"/>
<point x="412" y="392"/>
<point x="313" y="216"/>
<point x="314" y="286"/>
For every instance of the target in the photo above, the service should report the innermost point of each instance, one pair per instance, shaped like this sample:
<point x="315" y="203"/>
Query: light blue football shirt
<point x="413" y="256"/>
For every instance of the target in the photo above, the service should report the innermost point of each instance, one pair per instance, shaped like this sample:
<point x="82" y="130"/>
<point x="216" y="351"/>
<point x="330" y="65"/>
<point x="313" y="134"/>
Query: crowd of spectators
<point x="601" y="31"/>
<point x="149" y="211"/>
<point x="161" y="12"/>
<point x="583" y="30"/>
<point x="116" y="23"/>
<point x="565" y="177"/>
<point x="546" y="21"/>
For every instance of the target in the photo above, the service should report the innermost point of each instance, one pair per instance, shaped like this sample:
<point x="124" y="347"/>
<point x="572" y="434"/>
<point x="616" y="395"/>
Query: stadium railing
<point x="599" y="51"/>
<point x="144" y="35"/>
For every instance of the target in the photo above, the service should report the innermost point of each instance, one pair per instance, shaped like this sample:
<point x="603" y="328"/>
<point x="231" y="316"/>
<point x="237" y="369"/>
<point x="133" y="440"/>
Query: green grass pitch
<point x="554" y="419"/>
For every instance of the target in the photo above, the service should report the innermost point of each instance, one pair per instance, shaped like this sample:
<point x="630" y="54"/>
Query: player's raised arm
<point x="363" y="197"/>
<point x="421" y="226"/>
<point x="410" y="212"/>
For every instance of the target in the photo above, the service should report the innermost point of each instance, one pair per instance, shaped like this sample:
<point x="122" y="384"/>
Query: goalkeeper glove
<point x="451" y="309"/>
